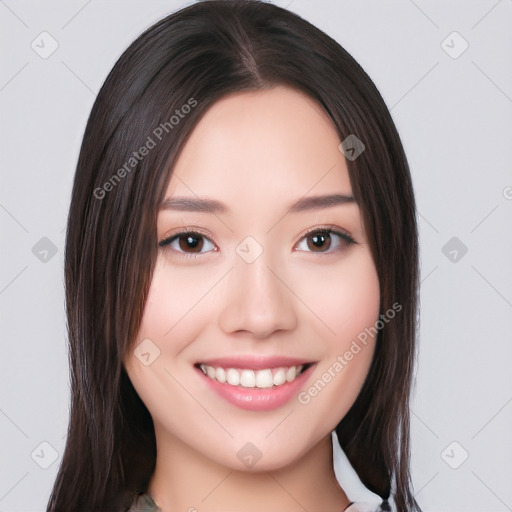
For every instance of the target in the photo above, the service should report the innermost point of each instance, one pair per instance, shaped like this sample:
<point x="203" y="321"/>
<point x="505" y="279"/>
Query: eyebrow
<point x="193" y="204"/>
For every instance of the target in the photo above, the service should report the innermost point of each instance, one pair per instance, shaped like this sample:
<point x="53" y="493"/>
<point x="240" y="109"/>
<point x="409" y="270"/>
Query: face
<point x="259" y="281"/>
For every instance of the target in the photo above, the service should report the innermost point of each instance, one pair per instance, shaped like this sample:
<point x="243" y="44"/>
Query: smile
<point x="265" y="378"/>
<point x="266" y="386"/>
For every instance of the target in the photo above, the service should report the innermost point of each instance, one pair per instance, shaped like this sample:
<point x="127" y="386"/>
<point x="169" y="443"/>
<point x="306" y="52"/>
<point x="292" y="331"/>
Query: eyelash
<point x="343" y="236"/>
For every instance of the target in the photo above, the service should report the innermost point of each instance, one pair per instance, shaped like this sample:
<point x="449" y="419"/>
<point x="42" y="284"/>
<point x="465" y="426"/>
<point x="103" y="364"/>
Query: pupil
<point x="319" y="240"/>
<point x="191" y="242"/>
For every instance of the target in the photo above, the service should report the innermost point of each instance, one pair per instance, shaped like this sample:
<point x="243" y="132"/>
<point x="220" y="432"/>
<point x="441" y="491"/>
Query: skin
<point x="256" y="152"/>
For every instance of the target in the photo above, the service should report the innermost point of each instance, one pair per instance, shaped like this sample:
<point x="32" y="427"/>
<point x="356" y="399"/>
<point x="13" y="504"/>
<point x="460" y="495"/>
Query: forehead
<point x="262" y="146"/>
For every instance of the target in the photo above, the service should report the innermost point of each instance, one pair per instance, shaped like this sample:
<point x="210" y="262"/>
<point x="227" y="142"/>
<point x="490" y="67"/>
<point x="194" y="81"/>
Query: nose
<point x="257" y="300"/>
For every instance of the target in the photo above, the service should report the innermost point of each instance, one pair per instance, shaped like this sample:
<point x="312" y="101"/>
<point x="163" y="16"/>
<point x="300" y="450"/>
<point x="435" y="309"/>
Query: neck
<point x="187" y="480"/>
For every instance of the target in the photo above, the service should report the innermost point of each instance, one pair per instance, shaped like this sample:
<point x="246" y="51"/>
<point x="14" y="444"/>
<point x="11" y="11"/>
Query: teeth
<point x="290" y="374"/>
<point x="279" y="377"/>
<point x="250" y="378"/>
<point x="220" y="375"/>
<point x="264" y="379"/>
<point x="247" y="379"/>
<point x="232" y="377"/>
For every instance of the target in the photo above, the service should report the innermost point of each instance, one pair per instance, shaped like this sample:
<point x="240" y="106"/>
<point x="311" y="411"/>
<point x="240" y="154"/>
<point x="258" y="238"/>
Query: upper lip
<point x="255" y="362"/>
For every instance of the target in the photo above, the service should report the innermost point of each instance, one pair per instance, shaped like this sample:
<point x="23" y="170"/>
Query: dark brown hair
<point x="197" y="56"/>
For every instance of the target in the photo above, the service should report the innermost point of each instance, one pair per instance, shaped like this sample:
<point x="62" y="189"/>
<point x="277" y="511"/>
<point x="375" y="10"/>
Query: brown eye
<point x="188" y="243"/>
<point x="319" y="242"/>
<point x="325" y="241"/>
<point x="191" y="242"/>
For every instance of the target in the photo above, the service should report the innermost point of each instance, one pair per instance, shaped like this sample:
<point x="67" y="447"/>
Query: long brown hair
<point x="195" y="57"/>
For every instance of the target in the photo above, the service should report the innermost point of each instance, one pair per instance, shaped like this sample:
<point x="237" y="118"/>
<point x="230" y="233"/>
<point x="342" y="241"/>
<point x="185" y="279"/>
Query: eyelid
<point x="342" y="233"/>
<point x="186" y="230"/>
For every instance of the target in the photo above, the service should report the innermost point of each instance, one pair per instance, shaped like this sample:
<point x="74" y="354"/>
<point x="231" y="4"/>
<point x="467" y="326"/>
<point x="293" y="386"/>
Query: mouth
<point x="256" y="385"/>
<point x="262" y="378"/>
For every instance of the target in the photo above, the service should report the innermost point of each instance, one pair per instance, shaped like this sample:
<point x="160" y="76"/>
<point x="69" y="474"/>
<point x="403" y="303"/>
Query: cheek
<point x="347" y="302"/>
<point x="169" y="322"/>
<point x="178" y="305"/>
<point x="344" y="297"/>
<point x="175" y="297"/>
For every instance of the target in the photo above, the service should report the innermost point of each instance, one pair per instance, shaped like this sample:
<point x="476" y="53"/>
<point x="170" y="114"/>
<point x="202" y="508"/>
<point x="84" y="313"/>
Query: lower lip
<point x="259" y="399"/>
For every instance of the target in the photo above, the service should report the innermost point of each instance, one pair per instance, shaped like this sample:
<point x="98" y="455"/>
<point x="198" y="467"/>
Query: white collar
<point x="348" y="479"/>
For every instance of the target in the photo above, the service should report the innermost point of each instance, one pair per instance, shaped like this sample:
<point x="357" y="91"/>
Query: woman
<point x="241" y="275"/>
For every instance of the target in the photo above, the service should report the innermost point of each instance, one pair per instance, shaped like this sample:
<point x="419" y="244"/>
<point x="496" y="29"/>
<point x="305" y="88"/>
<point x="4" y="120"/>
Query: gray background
<point x="453" y="111"/>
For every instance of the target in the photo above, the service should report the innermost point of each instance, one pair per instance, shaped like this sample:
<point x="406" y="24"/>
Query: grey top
<point x="145" y="503"/>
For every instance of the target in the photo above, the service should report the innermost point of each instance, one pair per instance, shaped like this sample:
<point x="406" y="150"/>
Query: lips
<point x="257" y="383"/>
